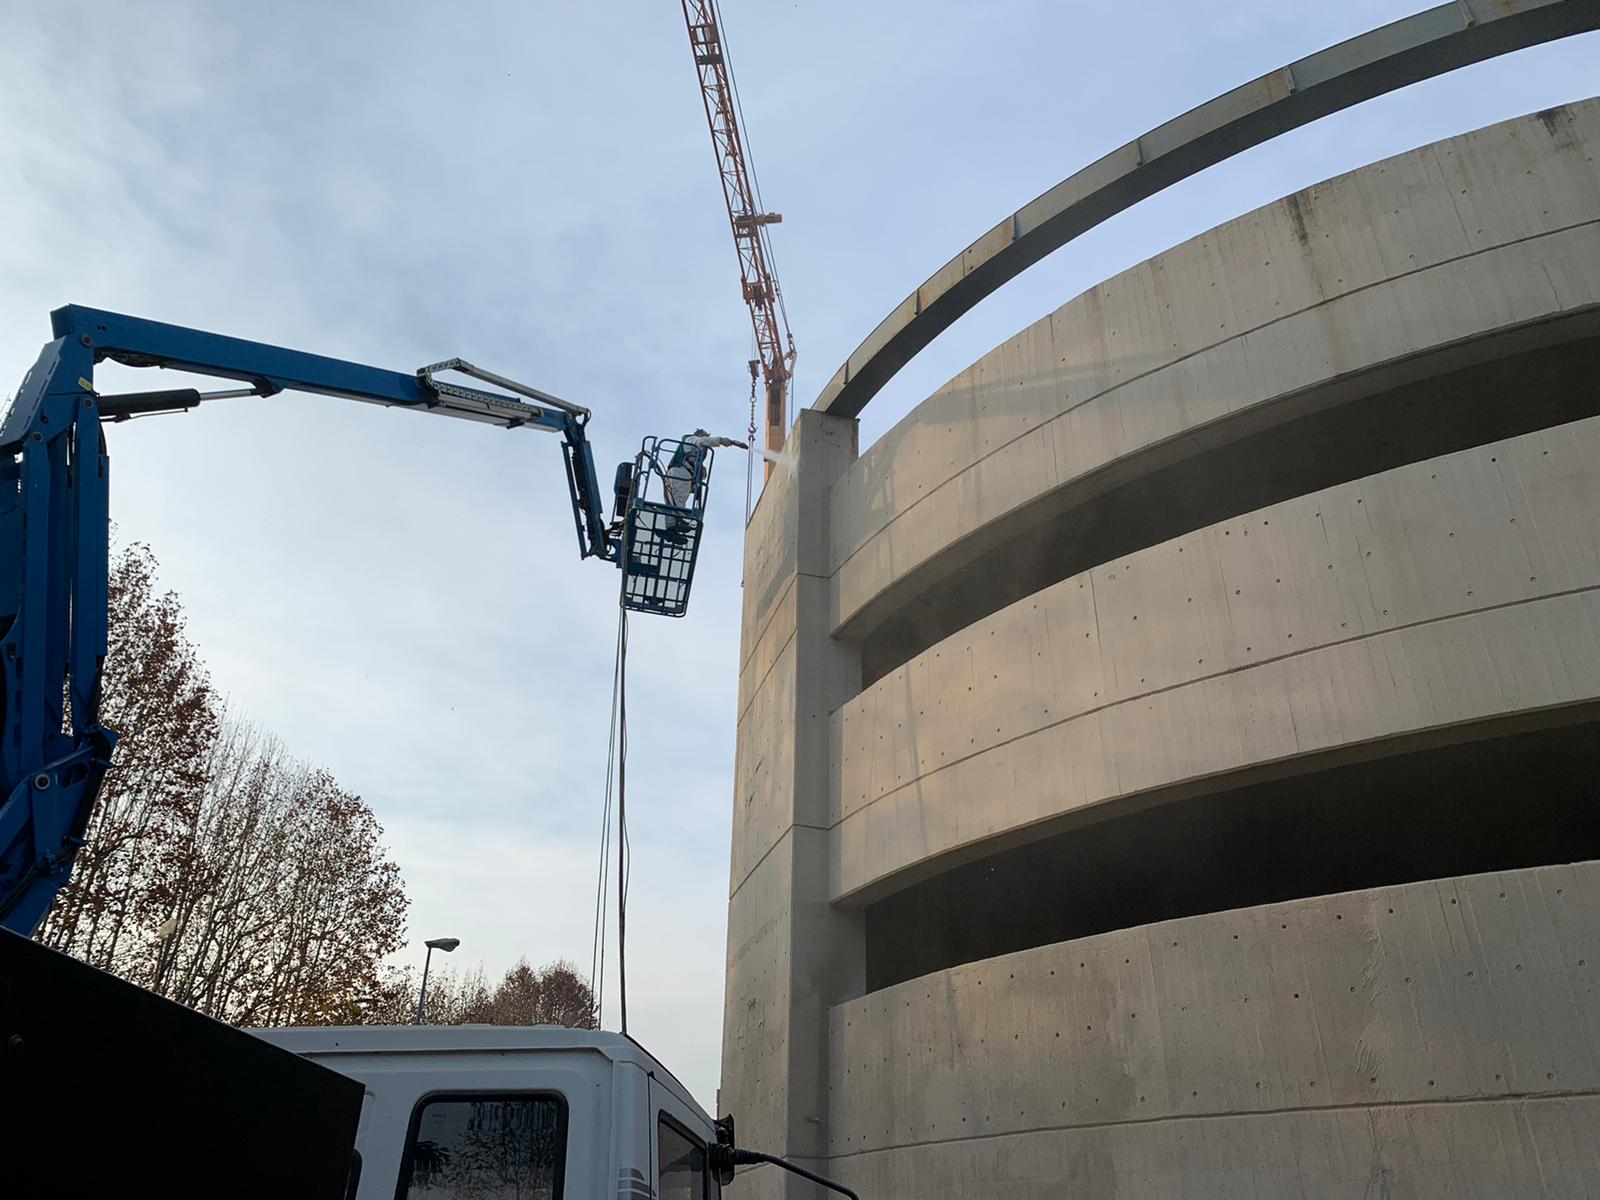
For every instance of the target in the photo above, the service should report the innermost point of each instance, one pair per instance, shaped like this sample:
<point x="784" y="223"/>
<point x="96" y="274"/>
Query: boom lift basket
<point x="661" y="529"/>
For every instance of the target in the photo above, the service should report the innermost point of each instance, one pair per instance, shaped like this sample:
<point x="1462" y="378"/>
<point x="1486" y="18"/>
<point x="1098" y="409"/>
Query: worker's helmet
<point x="700" y="433"/>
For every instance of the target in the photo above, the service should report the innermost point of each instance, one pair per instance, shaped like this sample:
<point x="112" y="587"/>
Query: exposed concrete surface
<point x="1448" y="591"/>
<point x="1438" y="248"/>
<point x="1435" y="599"/>
<point x="1414" y="48"/>
<point x="1509" y="795"/>
<point x="1441" y="1038"/>
<point x="1491" y="1150"/>
<point x="1394" y="417"/>
<point x="790" y="953"/>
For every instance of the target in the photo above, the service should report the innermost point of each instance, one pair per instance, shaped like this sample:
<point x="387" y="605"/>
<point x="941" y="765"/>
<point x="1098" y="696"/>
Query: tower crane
<point x="775" y="353"/>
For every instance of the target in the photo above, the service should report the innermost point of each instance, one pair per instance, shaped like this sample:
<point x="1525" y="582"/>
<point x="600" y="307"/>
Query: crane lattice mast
<point x="775" y="351"/>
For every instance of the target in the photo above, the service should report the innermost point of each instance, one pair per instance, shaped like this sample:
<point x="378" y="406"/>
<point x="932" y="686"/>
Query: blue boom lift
<point x="54" y="542"/>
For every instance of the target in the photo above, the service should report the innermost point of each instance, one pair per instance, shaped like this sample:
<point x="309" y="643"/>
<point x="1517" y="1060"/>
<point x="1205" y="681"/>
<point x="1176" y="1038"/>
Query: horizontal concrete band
<point x="784" y="535"/>
<point x="1429" y="255"/>
<point x="1542" y="1148"/>
<point x="1452" y="990"/>
<point x="1418" y="47"/>
<point x="1460" y="589"/>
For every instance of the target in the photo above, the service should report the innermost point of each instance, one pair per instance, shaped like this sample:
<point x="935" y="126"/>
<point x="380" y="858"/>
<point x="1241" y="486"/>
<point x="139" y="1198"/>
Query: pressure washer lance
<point x="683" y="472"/>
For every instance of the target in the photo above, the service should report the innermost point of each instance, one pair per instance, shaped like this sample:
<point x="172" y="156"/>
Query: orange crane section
<point x="775" y="351"/>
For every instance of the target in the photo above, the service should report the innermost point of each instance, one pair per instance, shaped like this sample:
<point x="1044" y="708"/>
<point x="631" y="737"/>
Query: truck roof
<point x="326" y="1041"/>
<point x="369" y="1039"/>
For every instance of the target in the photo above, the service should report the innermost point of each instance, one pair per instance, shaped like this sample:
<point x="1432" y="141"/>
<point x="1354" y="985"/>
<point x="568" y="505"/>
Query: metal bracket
<point x="499" y="403"/>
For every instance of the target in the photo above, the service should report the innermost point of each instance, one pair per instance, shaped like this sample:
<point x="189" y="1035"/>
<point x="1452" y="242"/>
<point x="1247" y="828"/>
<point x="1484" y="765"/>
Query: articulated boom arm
<point x="54" y="529"/>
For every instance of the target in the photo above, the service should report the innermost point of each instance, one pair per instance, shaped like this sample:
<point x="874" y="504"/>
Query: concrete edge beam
<point x="1415" y="48"/>
<point x="1441" y="990"/>
<point x="1485" y="1150"/>
<point x="1378" y="690"/>
<point x="1328" y="568"/>
<point x="1470" y="254"/>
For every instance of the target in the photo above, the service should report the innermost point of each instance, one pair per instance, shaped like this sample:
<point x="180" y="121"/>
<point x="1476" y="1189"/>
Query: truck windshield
<point x="486" y="1148"/>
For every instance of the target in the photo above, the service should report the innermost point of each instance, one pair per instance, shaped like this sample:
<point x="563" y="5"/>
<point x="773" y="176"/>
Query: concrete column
<point x="791" y="955"/>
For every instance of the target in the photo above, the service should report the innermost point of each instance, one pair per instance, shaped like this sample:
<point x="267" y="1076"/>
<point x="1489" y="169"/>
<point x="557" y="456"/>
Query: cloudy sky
<point x="529" y="185"/>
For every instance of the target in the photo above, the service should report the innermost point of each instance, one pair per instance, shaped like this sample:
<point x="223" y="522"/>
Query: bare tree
<point x="292" y="905"/>
<point x="554" y="994"/>
<point x="155" y="692"/>
<point x="566" y="998"/>
<point x="220" y="871"/>
<point x="452" y="998"/>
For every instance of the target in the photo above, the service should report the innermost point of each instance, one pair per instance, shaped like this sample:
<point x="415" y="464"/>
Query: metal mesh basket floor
<point x="660" y="544"/>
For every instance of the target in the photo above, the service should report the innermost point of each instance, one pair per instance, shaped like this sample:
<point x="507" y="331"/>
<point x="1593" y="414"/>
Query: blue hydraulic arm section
<point x="54" y="545"/>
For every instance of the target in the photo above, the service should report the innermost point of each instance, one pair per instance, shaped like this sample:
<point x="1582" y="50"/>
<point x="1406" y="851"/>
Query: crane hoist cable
<point x="750" y="447"/>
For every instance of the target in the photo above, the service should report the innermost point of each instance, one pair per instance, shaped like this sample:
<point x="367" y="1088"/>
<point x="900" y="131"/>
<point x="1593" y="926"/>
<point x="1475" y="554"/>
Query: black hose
<point x="622" y="825"/>
<point x="751" y="1157"/>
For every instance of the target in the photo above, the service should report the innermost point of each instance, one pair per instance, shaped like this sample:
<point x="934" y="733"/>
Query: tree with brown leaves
<point x="220" y="871"/>
<point x="155" y="693"/>
<point x="554" y="994"/>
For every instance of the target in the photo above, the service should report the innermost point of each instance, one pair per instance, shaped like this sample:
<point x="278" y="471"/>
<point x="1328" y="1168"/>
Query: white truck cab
<point x="492" y="1112"/>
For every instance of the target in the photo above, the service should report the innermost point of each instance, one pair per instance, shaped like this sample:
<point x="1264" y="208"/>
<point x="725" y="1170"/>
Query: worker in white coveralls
<point x="688" y="460"/>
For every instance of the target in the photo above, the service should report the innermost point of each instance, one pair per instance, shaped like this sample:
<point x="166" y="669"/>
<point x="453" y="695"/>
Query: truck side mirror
<point x="722" y="1163"/>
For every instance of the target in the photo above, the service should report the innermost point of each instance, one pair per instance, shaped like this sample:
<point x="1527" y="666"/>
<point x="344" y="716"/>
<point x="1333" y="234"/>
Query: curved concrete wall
<point x="1431" y="253"/>
<point x="1436" y="1039"/>
<point x="1448" y="592"/>
<point x="1437" y="602"/>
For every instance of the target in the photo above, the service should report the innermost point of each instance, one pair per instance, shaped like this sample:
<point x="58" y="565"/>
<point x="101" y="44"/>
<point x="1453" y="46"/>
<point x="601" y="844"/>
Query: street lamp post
<point x="445" y="944"/>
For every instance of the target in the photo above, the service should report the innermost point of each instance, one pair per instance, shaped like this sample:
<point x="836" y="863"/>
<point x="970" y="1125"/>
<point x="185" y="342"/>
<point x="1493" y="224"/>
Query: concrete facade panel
<point x="1474" y="577"/>
<point x="790" y="953"/>
<point x="1543" y="1148"/>
<point x="1268" y="569"/>
<point x="1261" y="1028"/>
<point x="1420" y="680"/>
<point x="1493" y="230"/>
<point x="756" y="1011"/>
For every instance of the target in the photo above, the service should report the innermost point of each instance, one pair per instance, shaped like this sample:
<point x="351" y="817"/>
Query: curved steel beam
<point x="1407" y="51"/>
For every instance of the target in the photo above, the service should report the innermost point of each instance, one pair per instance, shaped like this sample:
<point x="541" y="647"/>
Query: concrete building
<point x="1167" y="759"/>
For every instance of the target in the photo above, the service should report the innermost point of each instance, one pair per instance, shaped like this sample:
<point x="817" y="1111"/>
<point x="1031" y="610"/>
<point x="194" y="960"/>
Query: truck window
<point x="681" y="1164"/>
<point x="478" y="1147"/>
